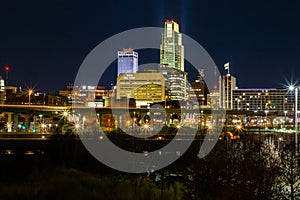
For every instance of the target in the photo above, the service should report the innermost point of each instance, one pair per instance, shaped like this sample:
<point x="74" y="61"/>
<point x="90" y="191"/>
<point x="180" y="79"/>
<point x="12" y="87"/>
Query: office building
<point x="198" y="90"/>
<point x="213" y="100"/>
<point x="227" y="85"/>
<point x="127" y="61"/>
<point x="171" y="49"/>
<point x="263" y="99"/>
<point x="91" y="96"/>
<point x="172" y="61"/>
<point x="145" y="88"/>
<point x="2" y="91"/>
<point x="176" y="82"/>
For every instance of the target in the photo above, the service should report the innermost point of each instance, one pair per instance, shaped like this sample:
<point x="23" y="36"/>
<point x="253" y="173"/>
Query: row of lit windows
<point x="139" y="83"/>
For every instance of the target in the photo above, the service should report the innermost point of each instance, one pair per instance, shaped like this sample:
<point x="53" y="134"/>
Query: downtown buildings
<point x="167" y="82"/>
<point x="253" y="99"/>
<point x="170" y="74"/>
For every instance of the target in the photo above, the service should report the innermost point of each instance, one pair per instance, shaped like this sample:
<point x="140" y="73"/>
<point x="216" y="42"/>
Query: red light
<point x="170" y="20"/>
<point x="6" y="68"/>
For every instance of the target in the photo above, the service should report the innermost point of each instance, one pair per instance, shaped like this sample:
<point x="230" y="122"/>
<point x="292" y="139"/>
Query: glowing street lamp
<point x="279" y="140"/>
<point x="291" y="87"/>
<point x="30" y="92"/>
<point x="266" y="111"/>
<point x="65" y="114"/>
<point x="285" y="112"/>
<point x="295" y="89"/>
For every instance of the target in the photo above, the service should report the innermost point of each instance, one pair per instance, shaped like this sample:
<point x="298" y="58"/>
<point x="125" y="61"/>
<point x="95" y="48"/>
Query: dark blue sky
<point x="45" y="42"/>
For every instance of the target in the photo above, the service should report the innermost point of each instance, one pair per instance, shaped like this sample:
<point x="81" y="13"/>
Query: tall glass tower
<point x="171" y="49"/>
<point x="172" y="61"/>
<point x="127" y="61"/>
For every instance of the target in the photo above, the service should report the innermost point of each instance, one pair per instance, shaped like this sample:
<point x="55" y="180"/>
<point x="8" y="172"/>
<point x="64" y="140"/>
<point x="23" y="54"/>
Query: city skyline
<point x="161" y="99"/>
<point x="39" y="45"/>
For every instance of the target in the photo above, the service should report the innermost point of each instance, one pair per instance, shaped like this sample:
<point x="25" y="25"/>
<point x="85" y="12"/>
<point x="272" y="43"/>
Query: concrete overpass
<point x="34" y="114"/>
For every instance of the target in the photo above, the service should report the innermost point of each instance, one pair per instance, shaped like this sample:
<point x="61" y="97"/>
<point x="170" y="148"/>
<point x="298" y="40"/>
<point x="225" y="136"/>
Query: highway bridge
<point x="47" y="119"/>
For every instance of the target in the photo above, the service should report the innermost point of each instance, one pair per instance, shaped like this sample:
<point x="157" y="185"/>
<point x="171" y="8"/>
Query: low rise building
<point x="263" y="99"/>
<point x="92" y="96"/>
<point x="145" y="88"/>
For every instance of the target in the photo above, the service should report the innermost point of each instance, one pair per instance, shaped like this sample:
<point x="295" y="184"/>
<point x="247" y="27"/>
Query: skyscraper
<point x="198" y="90"/>
<point x="176" y="82"/>
<point x="2" y="93"/>
<point x="127" y="61"/>
<point x="171" y="49"/>
<point x="227" y="85"/>
<point x="172" y="61"/>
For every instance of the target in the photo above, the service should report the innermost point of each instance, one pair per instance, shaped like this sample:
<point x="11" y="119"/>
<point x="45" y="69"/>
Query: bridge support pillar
<point x="16" y="121"/>
<point x="9" y="116"/>
<point x="9" y="121"/>
<point x="99" y="119"/>
<point x="120" y="118"/>
<point x="26" y="123"/>
<point x="168" y="118"/>
<point x="34" y="124"/>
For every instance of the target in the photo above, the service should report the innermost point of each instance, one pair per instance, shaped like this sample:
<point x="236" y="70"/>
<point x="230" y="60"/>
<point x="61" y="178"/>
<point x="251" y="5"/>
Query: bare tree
<point x="268" y="164"/>
<point x="287" y="184"/>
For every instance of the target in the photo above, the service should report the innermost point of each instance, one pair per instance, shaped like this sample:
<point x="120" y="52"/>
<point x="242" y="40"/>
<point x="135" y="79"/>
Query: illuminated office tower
<point x="171" y="49"/>
<point x="127" y="61"/>
<point x="172" y="61"/>
<point x="198" y="90"/>
<point x="176" y="82"/>
<point x="227" y="85"/>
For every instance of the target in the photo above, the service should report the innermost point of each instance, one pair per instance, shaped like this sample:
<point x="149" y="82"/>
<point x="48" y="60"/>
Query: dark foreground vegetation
<point x="235" y="169"/>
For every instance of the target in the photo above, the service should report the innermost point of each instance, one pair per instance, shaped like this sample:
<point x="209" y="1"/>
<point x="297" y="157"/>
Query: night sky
<point x="45" y="42"/>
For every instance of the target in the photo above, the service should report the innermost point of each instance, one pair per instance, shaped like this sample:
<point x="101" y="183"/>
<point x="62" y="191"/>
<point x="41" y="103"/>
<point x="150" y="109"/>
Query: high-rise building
<point x="176" y="82"/>
<point x="198" y="90"/>
<point x="171" y="49"/>
<point x="2" y="92"/>
<point x="172" y="61"/>
<point x="127" y="61"/>
<point x="213" y="100"/>
<point x="227" y="85"/>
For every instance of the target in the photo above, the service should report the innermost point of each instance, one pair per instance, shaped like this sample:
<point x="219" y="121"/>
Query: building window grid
<point x="272" y="100"/>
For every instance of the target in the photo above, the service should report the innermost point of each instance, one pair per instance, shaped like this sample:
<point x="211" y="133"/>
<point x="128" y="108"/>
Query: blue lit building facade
<point x="127" y="61"/>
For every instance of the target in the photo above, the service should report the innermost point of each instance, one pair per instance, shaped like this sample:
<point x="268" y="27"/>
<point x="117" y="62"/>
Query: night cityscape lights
<point x="256" y="153"/>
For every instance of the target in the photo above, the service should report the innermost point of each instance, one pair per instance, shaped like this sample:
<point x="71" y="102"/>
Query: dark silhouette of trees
<point x="287" y="185"/>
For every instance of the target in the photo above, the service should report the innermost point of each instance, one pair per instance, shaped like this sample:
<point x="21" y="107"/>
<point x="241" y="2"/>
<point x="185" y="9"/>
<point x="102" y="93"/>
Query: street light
<point x="285" y="112"/>
<point x="30" y="91"/>
<point x="279" y="140"/>
<point x="295" y="89"/>
<point x="266" y="111"/>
